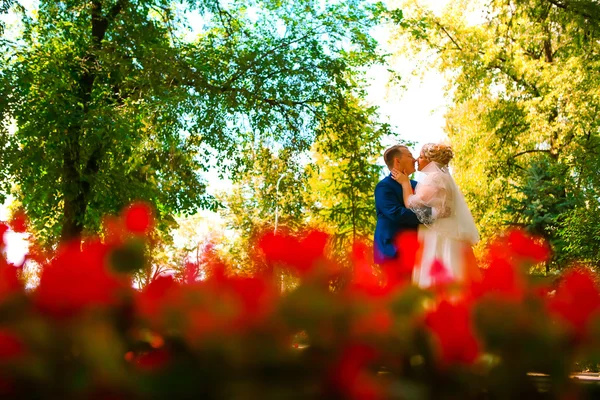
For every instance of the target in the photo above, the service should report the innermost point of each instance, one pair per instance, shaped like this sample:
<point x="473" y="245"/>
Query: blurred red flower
<point x="138" y="218"/>
<point x="451" y="325"/>
<point x="18" y="222"/>
<point x="364" y="278"/>
<point x="255" y="299"/>
<point x="3" y="229"/>
<point x="440" y="275"/>
<point x="409" y="248"/>
<point x="219" y="305"/>
<point x="397" y="273"/>
<point x="150" y="300"/>
<point x="299" y="253"/>
<point x="577" y="300"/>
<point x="78" y="278"/>
<point x="526" y="246"/>
<point x="501" y="278"/>
<point x="191" y="272"/>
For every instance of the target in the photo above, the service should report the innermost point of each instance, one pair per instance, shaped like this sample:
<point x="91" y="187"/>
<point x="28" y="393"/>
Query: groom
<point x="392" y="215"/>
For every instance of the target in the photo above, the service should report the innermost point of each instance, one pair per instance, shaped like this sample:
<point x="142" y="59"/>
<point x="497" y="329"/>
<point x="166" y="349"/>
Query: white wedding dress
<point x="448" y="230"/>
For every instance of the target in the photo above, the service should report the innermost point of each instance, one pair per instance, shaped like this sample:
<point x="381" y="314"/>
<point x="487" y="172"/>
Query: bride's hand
<point x="400" y="177"/>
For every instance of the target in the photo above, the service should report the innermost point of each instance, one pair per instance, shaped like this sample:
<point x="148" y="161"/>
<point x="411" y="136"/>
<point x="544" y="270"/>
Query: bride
<point x="448" y="231"/>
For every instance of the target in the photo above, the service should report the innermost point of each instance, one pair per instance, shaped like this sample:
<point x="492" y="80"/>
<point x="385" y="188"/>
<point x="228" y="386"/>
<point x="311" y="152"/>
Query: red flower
<point x="577" y="300"/>
<point x="439" y="274"/>
<point x="279" y="248"/>
<point x="409" y="247"/>
<point x="254" y="298"/>
<point x="398" y="272"/>
<point x="151" y="299"/>
<point x="18" y="222"/>
<point x="3" y="229"/>
<point x="525" y="246"/>
<point x="502" y="278"/>
<point x="78" y="278"/>
<point x="451" y="325"/>
<point x="364" y="278"/>
<point x="11" y="346"/>
<point x="313" y="245"/>
<point x="218" y="306"/>
<point x="138" y="218"/>
<point x="302" y="254"/>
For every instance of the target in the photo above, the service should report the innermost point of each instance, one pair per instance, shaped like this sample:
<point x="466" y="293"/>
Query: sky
<point x="416" y="113"/>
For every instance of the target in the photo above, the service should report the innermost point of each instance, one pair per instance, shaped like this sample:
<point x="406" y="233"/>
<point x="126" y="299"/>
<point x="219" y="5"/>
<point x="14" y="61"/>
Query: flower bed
<point x="84" y="332"/>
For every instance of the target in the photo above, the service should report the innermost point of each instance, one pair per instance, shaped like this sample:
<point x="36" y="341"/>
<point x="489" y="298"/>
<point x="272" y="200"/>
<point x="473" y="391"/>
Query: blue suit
<point x="392" y="218"/>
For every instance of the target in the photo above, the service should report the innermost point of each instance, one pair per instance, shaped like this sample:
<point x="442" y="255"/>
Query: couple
<point x="435" y="207"/>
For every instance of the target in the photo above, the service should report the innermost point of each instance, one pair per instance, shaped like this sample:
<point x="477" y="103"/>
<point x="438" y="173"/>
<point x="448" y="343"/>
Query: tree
<point x="112" y="104"/>
<point x="345" y="172"/>
<point x="274" y="186"/>
<point x="524" y="116"/>
<point x="330" y="189"/>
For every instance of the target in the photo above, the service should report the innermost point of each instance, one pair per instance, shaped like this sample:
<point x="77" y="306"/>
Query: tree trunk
<point x="77" y="176"/>
<point x="74" y="204"/>
<point x="72" y="227"/>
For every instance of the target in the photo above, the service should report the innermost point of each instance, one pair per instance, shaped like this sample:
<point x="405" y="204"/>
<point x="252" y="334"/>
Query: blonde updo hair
<point x="437" y="152"/>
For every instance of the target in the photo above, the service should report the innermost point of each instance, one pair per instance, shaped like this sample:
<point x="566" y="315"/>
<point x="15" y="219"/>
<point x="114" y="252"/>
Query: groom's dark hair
<point x="391" y="153"/>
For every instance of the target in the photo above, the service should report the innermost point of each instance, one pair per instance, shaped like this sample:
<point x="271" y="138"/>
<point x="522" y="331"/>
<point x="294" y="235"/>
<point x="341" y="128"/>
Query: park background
<point x="515" y="168"/>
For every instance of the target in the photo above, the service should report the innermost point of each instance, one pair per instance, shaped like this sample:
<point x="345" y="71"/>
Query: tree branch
<point x="204" y="84"/>
<point x="530" y="86"/>
<point x="115" y="10"/>
<point x="262" y="56"/>
<point x="101" y="22"/>
<point x="458" y="46"/>
<point x="227" y="25"/>
<point x="531" y="151"/>
<point x="565" y="6"/>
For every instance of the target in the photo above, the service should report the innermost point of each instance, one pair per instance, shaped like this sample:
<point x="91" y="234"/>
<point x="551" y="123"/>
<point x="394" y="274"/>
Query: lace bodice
<point x="439" y="204"/>
<point x="435" y="191"/>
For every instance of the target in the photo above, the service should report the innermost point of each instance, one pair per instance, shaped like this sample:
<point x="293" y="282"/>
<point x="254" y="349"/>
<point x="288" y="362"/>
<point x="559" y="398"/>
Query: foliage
<point x="331" y="189"/>
<point x="112" y="103"/>
<point x="549" y="202"/>
<point x="272" y="186"/>
<point x="85" y="333"/>
<point x="344" y="173"/>
<point x="5" y="5"/>
<point x="524" y="83"/>
<point x="581" y="234"/>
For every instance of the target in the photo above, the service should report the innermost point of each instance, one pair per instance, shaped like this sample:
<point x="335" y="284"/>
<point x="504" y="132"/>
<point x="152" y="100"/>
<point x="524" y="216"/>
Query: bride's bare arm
<point x="429" y="198"/>
<point x="403" y="180"/>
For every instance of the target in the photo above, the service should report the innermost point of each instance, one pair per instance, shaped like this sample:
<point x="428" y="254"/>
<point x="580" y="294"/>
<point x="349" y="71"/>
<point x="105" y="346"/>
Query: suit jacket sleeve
<point x="386" y="201"/>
